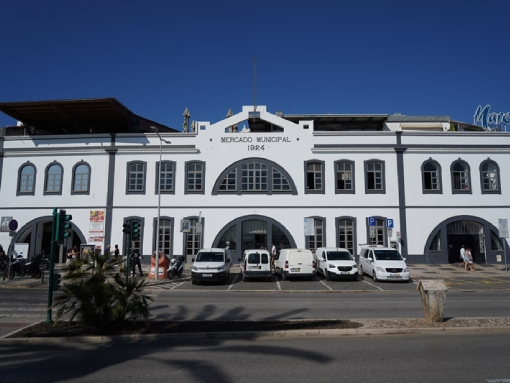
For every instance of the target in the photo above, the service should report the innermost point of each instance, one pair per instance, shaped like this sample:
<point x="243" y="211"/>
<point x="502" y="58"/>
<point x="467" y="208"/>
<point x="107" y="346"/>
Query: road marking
<point x="278" y="284"/>
<point x="377" y="287"/>
<point x="233" y="282"/>
<point x="326" y="285"/>
<point x="166" y="286"/>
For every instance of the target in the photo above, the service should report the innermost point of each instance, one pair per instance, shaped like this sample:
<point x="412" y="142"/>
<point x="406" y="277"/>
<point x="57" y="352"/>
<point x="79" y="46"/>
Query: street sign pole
<point x="503" y="233"/>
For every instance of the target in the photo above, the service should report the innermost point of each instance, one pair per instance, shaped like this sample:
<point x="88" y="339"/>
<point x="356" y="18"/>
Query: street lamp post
<point x="158" y="237"/>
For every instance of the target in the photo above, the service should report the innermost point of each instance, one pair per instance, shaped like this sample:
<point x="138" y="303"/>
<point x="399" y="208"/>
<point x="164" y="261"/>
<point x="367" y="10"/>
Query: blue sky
<point x="159" y="57"/>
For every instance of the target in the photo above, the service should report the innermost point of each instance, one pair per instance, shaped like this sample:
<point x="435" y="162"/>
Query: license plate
<point x="254" y="267"/>
<point x="344" y="272"/>
<point x="295" y="270"/>
<point x="396" y="276"/>
<point x="206" y="275"/>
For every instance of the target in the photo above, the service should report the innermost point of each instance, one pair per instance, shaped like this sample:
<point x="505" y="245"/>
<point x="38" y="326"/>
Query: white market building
<point x="253" y="179"/>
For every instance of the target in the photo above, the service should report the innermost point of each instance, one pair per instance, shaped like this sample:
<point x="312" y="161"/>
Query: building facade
<point x="425" y="185"/>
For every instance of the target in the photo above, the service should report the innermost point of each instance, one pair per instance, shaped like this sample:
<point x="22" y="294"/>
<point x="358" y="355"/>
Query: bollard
<point x="433" y="298"/>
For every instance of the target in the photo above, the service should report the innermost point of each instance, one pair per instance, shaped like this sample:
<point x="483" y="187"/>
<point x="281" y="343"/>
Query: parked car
<point x="334" y="262"/>
<point x="211" y="265"/>
<point x="295" y="263"/>
<point x="256" y="264"/>
<point x="383" y="263"/>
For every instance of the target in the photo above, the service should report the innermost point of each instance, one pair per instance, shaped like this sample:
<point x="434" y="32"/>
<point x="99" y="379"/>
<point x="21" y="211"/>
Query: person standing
<point x="469" y="256"/>
<point x="135" y="260"/>
<point x="273" y="253"/>
<point x="116" y="252"/>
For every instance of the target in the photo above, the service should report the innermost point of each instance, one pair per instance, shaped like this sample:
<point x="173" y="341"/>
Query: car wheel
<point x="328" y="277"/>
<point x="374" y="276"/>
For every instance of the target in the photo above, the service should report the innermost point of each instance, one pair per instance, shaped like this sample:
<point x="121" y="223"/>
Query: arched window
<point x="53" y="179"/>
<point x="431" y="177"/>
<point x="136" y="177"/>
<point x="314" y="177"/>
<point x="461" y="178"/>
<point x="254" y="176"/>
<point x="344" y="177"/>
<point x="81" y="178"/>
<point x="489" y="177"/>
<point x="346" y="233"/>
<point x="26" y="179"/>
<point x="374" y="177"/>
<point x="166" y="182"/>
<point x="195" y="177"/>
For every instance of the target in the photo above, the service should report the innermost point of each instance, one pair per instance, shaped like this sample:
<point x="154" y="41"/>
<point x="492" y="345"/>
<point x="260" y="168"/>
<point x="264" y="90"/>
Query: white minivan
<point x="335" y="262"/>
<point x="295" y="263"/>
<point x="255" y="264"/>
<point x="211" y="265"/>
<point x="383" y="263"/>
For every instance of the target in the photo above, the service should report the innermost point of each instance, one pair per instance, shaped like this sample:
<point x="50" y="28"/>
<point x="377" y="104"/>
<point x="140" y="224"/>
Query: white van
<point x="335" y="262"/>
<point x="211" y="265"/>
<point x="295" y="263"/>
<point x="383" y="263"/>
<point x="256" y="264"/>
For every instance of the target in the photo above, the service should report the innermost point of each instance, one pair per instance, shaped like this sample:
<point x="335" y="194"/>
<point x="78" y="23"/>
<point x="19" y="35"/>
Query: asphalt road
<point x="445" y="357"/>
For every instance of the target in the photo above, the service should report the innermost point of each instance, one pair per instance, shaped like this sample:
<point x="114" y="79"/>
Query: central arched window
<point x="81" y="178"/>
<point x="461" y="179"/>
<point x="53" y="180"/>
<point x="254" y="175"/>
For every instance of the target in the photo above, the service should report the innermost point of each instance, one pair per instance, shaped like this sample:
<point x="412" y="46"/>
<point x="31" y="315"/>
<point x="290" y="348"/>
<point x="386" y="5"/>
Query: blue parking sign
<point x="372" y="221"/>
<point x="389" y="223"/>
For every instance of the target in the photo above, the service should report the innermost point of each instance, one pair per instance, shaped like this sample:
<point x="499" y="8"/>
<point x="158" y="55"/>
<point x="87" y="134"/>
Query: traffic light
<point x="126" y="228"/>
<point x="56" y="281"/>
<point x="64" y="225"/>
<point x="135" y="233"/>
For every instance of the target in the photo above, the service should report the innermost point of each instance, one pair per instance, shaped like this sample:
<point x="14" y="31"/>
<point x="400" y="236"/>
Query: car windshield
<point x="339" y="256"/>
<point x="207" y="256"/>
<point x="387" y="255"/>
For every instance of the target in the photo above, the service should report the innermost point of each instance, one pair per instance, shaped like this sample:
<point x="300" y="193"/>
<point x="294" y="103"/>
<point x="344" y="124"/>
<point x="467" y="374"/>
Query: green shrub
<point x="99" y="298"/>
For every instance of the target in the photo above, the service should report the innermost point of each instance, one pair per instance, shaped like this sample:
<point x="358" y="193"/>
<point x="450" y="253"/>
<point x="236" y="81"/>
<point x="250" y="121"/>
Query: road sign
<point x="309" y="226"/>
<point x="5" y="223"/>
<point x="198" y="228"/>
<point x="372" y="221"/>
<point x="503" y="228"/>
<point x="389" y="223"/>
<point x="13" y="225"/>
<point x="185" y="225"/>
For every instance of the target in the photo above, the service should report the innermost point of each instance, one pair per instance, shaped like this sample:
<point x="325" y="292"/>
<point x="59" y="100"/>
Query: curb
<point x="248" y="335"/>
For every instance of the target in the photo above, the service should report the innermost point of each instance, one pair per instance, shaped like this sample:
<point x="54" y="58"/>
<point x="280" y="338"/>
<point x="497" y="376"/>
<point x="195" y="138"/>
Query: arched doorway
<point x="444" y="242"/>
<point x="38" y="234"/>
<point x="252" y="232"/>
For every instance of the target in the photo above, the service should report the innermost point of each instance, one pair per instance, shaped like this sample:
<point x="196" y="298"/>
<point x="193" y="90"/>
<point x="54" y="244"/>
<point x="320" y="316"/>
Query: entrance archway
<point x="444" y="242"/>
<point x="252" y="232"/>
<point x="37" y="233"/>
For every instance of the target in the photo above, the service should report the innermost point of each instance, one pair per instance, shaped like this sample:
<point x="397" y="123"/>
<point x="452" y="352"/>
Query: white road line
<point x="377" y="287"/>
<point x="278" y="284"/>
<point x="326" y="285"/>
<point x="232" y="284"/>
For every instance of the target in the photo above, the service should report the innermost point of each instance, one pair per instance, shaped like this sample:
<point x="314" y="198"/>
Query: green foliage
<point x="100" y="298"/>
